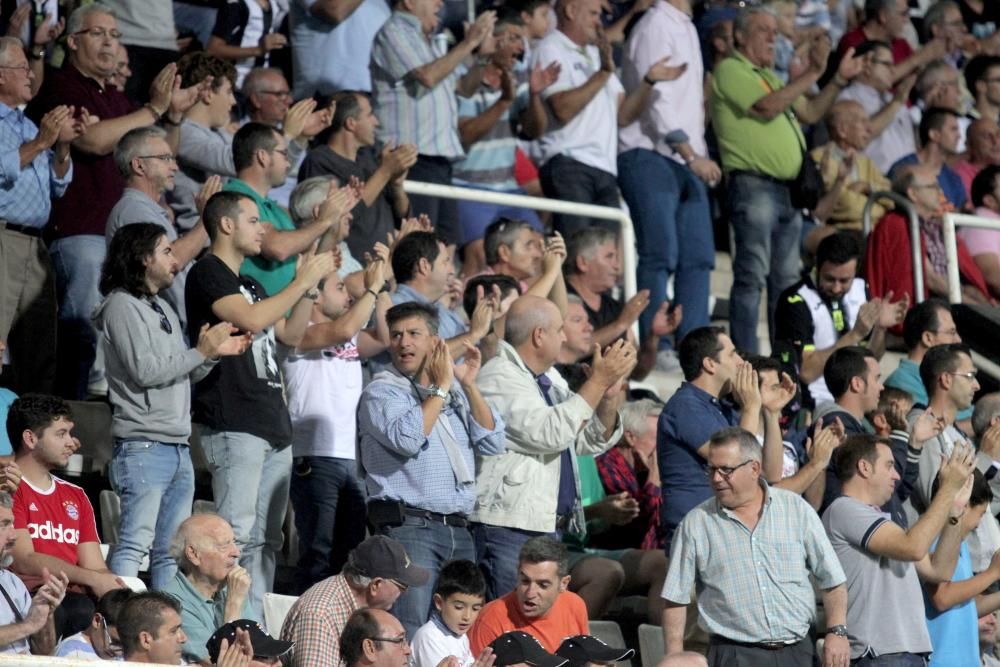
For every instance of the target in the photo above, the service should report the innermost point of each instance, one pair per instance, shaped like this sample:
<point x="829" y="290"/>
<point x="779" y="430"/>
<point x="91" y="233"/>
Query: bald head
<point x="204" y="533"/>
<point x="848" y="124"/>
<point x="527" y="314"/>
<point x="684" y="659"/>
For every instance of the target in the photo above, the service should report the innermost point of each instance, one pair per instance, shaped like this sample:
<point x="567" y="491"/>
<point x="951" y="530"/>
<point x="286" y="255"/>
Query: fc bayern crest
<point x="72" y="510"/>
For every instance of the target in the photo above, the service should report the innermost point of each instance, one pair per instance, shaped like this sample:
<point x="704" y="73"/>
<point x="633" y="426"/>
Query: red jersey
<point x="58" y="519"/>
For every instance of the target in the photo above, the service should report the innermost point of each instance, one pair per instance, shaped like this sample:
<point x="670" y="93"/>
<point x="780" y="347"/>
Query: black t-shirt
<point x="369" y="224"/>
<point x="606" y="313"/>
<point x="232" y="21"/>
<point x="984" y="24"/>
<point x="243" y="393"/>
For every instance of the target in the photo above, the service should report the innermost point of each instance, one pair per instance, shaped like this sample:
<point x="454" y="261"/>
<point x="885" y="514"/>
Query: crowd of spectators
<point x="205" y="225"/>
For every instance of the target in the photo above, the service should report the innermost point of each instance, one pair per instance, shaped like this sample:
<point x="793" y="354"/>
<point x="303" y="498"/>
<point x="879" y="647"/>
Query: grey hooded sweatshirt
<point x="149" y="368"/>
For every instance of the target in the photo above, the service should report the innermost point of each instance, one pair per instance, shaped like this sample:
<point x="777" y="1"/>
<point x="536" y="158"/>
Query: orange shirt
<point x="566" y="618"/>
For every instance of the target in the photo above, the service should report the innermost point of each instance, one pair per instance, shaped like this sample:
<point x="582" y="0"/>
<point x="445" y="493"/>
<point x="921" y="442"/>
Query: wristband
<point x="648" y="80"/>
<point x="372" y="292"/>
<point x="156" y="113"/>
<point x="36" y="55"/>
<point x="840" y="83"/>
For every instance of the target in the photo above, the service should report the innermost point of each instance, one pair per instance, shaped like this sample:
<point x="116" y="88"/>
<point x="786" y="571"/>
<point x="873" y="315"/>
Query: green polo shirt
<point x="771" y="147"/>
<point x="273" y="275"/>
<point x="200" y="618"/>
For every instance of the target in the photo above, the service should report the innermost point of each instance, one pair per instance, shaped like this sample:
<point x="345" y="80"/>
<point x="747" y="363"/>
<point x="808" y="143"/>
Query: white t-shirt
<point x="434" y="642"/>
<point x="323" y="389"/>
<point x="591" y="137"/>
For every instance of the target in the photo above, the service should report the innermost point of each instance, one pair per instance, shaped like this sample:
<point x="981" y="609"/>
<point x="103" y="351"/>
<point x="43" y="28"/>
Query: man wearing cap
<point x="589" y="651"/>
<point x="520" y="648"/>
<point x="210" y="585"/>
<point x="422" y="423"/>
<point x="375" y="575"/>
<point x="267" y="650"/>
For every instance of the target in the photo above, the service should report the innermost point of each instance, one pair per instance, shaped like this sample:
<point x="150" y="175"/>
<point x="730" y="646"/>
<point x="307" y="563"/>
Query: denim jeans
<point x="767" y="231"/>
<point x="564" y="178"/>
<point x="77" y="261"/>
<point x="155" y="481"/>
<point x="430" y="545"/>
<point x="330" y="511"/>
<point x="892" y="660"/>
<point x="497" y="550"/>
<point x="673" y="230"/>
<point x="250" y="479"/>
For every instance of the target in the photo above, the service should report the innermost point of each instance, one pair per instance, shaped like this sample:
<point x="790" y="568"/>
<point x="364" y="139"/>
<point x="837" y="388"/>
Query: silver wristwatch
<point x="438" y="391"/>
<point x="838" y="630"/>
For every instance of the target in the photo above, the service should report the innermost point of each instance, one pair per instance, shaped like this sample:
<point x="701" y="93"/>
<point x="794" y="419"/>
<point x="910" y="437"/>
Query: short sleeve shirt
<point x="18" y="593"/>
<point x="273" y="274"/>
<point x="885" y="606"/>
<point x="591" y="136"/>
<point x="58" y="519"/>
<point x="770" y="147"/>
<point x="199" y="617"/>
<point x="566" y="618"/>
<point x="243" y="393"/>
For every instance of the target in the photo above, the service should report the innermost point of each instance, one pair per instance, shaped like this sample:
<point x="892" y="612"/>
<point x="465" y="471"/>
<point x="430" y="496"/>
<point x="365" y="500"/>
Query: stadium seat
<point x="276" y="608"/>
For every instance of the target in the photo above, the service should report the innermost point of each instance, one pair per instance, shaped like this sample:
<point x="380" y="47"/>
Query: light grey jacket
<point x="149" y="370"/>
<point x="520" y="488"/>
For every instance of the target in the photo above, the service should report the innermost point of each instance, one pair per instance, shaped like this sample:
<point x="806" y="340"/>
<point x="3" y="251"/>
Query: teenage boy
<point x="458" y="599"/>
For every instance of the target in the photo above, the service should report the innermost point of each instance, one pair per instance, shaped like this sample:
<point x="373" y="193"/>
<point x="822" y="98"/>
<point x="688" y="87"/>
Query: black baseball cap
<point x="581" y="649"/>
<point x="264" y="645"/>
<point x="384" y="557"/>
<point x="516" y="647"/>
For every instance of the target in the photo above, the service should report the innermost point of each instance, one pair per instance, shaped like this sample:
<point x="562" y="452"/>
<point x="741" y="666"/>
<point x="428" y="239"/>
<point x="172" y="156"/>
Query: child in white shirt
<point x="458" y="599"/>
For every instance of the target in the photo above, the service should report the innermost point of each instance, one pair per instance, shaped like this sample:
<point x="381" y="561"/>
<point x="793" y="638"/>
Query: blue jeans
<point x="329" y="502"/>
<point x="892" y="660"/>
<point x="77" y="262"/>
<point x="673" y="230"/>
<point x="497" y="551"/>
<point x="767" y="231"/>
<point x="250" y="479"/>
<point x="477" y="216"/>
<point x="155" y="481"/>
<point x="430" y="545"/>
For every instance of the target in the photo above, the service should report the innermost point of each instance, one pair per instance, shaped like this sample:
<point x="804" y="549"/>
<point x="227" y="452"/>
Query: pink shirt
<point x="675" y="105"/>
<point x="981" y="241"/>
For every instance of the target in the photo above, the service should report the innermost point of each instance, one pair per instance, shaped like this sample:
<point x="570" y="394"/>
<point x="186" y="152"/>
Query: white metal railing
<point x="629" y="257"/>
<point x="950" y="222"/>
<point x="916" y="251"/>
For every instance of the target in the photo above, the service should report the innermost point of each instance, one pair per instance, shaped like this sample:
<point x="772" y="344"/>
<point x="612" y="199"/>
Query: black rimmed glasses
<point x="725" y="471"/>
<point x="165" y="157"/>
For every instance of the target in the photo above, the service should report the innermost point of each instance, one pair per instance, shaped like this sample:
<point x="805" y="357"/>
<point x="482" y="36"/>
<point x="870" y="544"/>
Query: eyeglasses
<point x="100" y="33"/>
<point x="166" y="157"/>
<point x="276" y="93"/>
<point x="400" y="585"/>
<point x="115" y="648"/>
<point x="164" y="320"/>
<point x="283" y="151"/>
<point x="928" y="186"/>
<point x="971" y="375"/>
<point x="391" y="640"/>
<point x="887" y="63"/>
<point x="947" y="332"/>
<point x="23" y="68"/>
<point x="725" y="471"/>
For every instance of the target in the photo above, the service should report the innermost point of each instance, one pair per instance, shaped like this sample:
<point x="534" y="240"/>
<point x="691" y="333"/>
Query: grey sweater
<point x="149" y="370"/>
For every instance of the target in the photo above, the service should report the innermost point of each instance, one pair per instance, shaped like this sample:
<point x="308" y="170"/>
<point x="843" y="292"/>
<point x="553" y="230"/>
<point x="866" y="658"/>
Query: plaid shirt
<point x="408" y="112"/>
<point x="25" y="194"/>
<point x="316" y="620"/>
<point x="753" y="586"/>
<point x="618" y="476"/>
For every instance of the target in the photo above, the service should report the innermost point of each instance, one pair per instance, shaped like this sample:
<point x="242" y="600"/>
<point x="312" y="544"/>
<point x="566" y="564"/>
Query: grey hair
<point x="6" y="500"/>
<point x="133" y="144"/>
<point x="9" y="44"/>
<point x="635" y="413"/>
<point x="986" y="409"/>
<point x="306" y="196"/>
<point x="80" y="14"/>
<point x="931" y="76"/>
<point x="503" y="231"/>
<point x="742" y="20"/>
<point x="185" y="536"/>
<point x="749" y="446"/>
<point x="254" y="81"/>
<point x="545" y="549"/>
<point x="522" y="322"/>
<point x="935" y="15"/>
<point x="584" y="242"/>
<point x="354" y="578"/>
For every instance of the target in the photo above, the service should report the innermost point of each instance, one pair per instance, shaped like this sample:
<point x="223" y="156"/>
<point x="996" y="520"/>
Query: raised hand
<point x="467" y="371"/>
<point x="161" y="91"/>
<point x="508" y="86"/>
<point x="10" y="477"/>
<point x="633" y="307"/>
<point x="613" y="364"/>
<point x="957" y="469"/>
<point x="52" y="125"/>
<point x="398" y="159"/>
<point x="485" y="659"/>
<point x="665" y="320"/>
<point x="926" y="426"/>
<point x="989" y="443"/>
<point x="543" y="77"/>
<point x="775" y="400"/>
<point x="318" y="121"/>
<point x="481" y="29"/>
<point x="212" y="185"/>
<point x="238" y="582"/>
<point x="892" y="312"/>
<point x="237" y="654"/>
<point x="296" y="117"/>
<point x="374" y="275"/>
<point x="219" y="341"/>
<point x="439" y="365"/>
<point x="48" y="31"/>
<point x="868" y="316"/>
<point x="314" y="266"/>
<point x="820" y="448"/>
<point x="184" y="98"/>
<point x="482" y="315"/>
<point x="850" y="65"/>
<point x="270" y="42"/>
<point x="555" y="253"/>
<point x="746" y="388"/>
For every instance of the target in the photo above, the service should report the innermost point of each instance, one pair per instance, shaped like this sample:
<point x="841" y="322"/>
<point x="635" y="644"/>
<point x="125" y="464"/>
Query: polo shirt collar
<point x="194" y="592"/>
<point x="701" y="393"/>
<point x="6" y="110"/>
<point x="241" y="186"/>
<point x="411" y="294"/>
<point x="570" y="44"/>
<point x="407" y="17"/>
<point x="727" y="513"/>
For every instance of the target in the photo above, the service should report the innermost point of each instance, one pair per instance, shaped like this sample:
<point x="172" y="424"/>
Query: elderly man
<point x="148" y="165"/>
<point x="756" y="118"/>
<point x="846" y="168"/>
<point x="79" y="217"/>
<point x="893" y="134"/>
<point x="377" y="572"/>
<point x="982" y="140"/>
<point x="414" y="87"/>
<point x="36" y="168"/>
<point x="888" y="263"/>
<point x="374" y="638"/>
<point x="718" y="542"/>
<point x="540" y="603"/>
<point x="547" y="427"/>
<point x="422" y="424"/>
<point x="210" y="585"/>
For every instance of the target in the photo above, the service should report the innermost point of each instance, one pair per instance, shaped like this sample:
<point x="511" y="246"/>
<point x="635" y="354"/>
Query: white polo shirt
<point x="591" y="137"/>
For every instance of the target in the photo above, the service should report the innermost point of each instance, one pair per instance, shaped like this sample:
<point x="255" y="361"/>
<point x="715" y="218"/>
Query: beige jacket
<point x="520" y="488"/>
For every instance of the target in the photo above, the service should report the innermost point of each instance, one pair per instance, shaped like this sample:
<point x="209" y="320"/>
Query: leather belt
<point x="22" y="229"/>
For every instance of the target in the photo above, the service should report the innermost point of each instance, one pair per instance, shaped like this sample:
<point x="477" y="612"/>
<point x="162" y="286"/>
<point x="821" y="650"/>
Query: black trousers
<point x="725" y="653"/>
<point x="442" y="212"/>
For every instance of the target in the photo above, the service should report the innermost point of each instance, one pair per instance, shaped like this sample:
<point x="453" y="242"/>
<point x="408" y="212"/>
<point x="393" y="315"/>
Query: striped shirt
<point x="489" y="163"/>
<point x="26" y="193"/>
<point x="753" y="586"/>
<point x="408" y="112"/>
<point x="243" y="23"/>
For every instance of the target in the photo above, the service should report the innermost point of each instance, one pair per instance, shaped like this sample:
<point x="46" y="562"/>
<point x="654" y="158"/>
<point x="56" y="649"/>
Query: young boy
<point x="953" y="607"/>
<point x="458" y="599"/>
